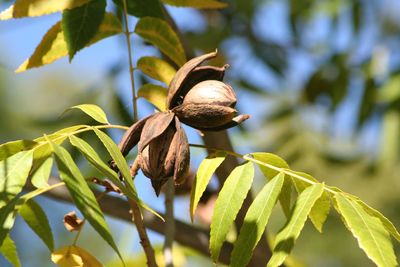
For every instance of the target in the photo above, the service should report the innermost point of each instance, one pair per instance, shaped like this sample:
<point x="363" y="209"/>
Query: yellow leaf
<point x="53" y="45"/>
<point x="35" y="8"/>
<point x="73" y="256"/>
<point x="196" y="3"/>
<point x="154" y="94"/>
<point x="156" y="68"/>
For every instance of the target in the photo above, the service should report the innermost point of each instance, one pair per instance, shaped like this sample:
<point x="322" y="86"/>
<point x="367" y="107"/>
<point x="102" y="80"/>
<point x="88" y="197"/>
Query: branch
<point x="186" y="234"/>
<point x="144" y="239"/>
<point x="138" y="221"/>
<point x="169" y="223"/>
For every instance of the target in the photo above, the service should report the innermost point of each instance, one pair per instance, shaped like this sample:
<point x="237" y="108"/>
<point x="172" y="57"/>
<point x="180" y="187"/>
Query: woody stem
<point x="137" y="218"/>
<point x="169" y="223"/>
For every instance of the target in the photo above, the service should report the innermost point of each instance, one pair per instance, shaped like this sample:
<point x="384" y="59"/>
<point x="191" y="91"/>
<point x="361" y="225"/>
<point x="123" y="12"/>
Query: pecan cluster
<point x="197" y="97"/>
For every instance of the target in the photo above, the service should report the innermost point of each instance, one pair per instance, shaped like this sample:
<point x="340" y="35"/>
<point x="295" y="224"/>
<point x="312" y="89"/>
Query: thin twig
<point x="144" y="239"/>
<point x="169" y="223"/>
<point x="131" y="69"/>
<point x="137" y="218"/>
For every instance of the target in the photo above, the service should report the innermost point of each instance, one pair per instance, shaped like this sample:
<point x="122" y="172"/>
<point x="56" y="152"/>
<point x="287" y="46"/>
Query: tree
<point x="162" y="140"/>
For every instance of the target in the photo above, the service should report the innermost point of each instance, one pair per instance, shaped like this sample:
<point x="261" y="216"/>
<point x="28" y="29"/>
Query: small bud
<point x="72" y="222"/>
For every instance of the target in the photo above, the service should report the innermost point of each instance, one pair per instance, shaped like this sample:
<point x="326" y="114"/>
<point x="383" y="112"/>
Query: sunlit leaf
<point x="228" y="204"/>
<point x="116" y="155"/>
<point x="160" y="34"/>
<point x="93" y="111"/>
<point x="81" y="194"/>
<point x="80" y="25"/>
<point x="203" y="176"/>
<point x="74" y="256"/>
<point x="34" y="8"/>
<point x="53" y="45"/>
<point x="269" y="173"/>
<point x="286" y="237"/>
<point x="385" y="221"/>
<point x="43" y="151"/>
<point x="320" y="210"/>
<point x="156" y="68"/>
<point x="91" y="155"/>
<point x="41" y="175"/>
<point x="9" y="251"/>
<point x="255" y="221"/>
<point x="142" y="8"/>
<point x="13" y="174"/>
<point x="155" y="94"/>
<point x="35" y="217"/>
<point x="10" y="148"/>
<point x="371" y="234"/>
<point x="196" y="3"/>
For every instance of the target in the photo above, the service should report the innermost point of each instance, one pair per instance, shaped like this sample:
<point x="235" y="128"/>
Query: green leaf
<point x="157" y="69"/>
<point x="35" y="217"/>
<point x="41" y="175"/>
<point x="196" y="3"/>
<point x="81" y="194"/>
<point x="9" y="211"/>
<point x="43" y="151"/>
<point x="90" y="154"/>
<point x="228" y="204"/>
<point x="320" y="210"/>
<point x="155" y="94"/>
<point x="116" y="155"/>
<point x="269" y="173"/>
<point x="13" y="174"/>
<point x="371" y="234"/>
<point x="160" y="34"/>
<point x="203" y="176"/>
<point x="119" y="159"/>
<point x="142" y="8"/>
<point x="10" y="148"/>
<point x="53" y="45"/>
<point x="93" y="111"/>
<point x="385" y="221"/>
<point x="285" y="239"/>
<point x="81" y="24"/>
<point x="34" y="8"/>
<point x="255" y="221"/>
<point x="9" y="251"/>
<point x="7" y="218"/>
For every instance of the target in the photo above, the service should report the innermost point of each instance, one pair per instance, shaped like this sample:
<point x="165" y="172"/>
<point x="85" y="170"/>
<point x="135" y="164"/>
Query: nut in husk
<point x="200" y="99"/>
<point x="163" y="148"/>
<point x="166" y="155"/>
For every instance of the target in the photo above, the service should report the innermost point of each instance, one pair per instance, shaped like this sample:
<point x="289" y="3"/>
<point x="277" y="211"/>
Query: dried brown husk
<point x="132" y="136"/>
<point x="182" y="161"/>
<point x="154" y="127"/>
